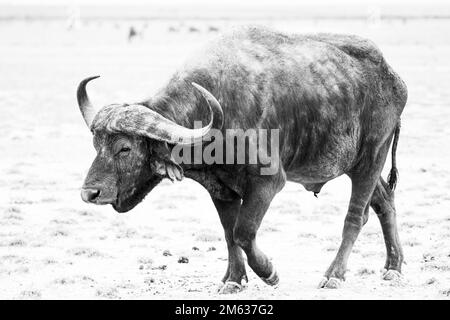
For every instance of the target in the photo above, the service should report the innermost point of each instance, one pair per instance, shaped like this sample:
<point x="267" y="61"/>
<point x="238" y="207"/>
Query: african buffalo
<point x="335" y="102"/>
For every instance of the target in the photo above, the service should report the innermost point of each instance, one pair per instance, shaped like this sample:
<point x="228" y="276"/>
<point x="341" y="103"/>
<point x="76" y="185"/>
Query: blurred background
<point x="52" y="245"/>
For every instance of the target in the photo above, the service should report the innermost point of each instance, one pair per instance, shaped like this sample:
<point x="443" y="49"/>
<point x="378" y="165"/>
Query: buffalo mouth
<point x="105" y="201"/>
<point x="121" y="207"/>
<point x="123" y="204"/>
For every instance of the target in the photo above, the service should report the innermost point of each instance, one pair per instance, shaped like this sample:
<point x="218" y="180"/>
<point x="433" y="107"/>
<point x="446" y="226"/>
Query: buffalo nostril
<point x="90" y="195"/>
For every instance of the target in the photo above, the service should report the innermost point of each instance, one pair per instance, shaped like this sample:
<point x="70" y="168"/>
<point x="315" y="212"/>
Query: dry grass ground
<point x="52" y="245"/>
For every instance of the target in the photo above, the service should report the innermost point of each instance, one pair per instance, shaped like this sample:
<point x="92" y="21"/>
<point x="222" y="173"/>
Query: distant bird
<point x="133" y="33"/>
<point x="193" y="29"/>
<point x="213" y="29"/>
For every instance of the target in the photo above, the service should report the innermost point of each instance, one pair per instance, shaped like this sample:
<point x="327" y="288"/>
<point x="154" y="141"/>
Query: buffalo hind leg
<point x="228" y="211"/>
<point x="382" y="203"/>
<point x="259" y="194"/>
<point x="357" y="216"/>
<point x="364" y="181"/>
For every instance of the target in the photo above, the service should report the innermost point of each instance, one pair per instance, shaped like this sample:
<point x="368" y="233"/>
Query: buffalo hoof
<point x="392" y="275"/>
<point x="273" y="279"/>
<point x="230" y="287"/>
<point x="330" y="283"/>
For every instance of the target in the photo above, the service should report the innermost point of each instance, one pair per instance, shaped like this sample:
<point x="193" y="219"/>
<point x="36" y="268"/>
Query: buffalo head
<point x="133" y="153"/>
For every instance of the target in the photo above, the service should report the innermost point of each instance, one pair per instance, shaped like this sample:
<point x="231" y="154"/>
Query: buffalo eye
<point x="124" y="150"/>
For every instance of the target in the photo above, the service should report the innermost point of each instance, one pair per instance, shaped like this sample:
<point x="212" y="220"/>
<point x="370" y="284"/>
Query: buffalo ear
<point x="164" y="164"/>
<point x="174" y="171"/>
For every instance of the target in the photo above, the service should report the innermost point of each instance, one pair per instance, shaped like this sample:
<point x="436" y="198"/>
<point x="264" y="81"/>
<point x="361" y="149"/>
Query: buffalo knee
<point x="243" y="237"/>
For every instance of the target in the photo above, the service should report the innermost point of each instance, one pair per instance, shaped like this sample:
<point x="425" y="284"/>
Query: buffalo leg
<point x="228" y="211"/>
<point x="357" y="216"/>
<point x="257" y="198"/>
<point x="382" y="203"/>
<point x="364" y="181"/>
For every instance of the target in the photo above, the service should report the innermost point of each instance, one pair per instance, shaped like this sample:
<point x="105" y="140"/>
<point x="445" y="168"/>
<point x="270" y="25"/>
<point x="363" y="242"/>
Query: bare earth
<point x="52" y="245"/>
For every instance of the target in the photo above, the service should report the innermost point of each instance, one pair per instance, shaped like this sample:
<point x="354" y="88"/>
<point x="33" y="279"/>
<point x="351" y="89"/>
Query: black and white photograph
<point x="224" y="150"/>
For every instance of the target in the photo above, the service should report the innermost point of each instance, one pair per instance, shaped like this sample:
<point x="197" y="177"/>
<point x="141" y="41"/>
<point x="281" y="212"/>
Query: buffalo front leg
<point x="382" y="203"/>
<point x="256" y="201"/>
<point x="228" y="211"/>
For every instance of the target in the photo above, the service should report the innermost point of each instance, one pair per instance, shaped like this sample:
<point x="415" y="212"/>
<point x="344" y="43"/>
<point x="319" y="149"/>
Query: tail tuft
<point x="393" y="175"/>
<point x="393" y="178"/>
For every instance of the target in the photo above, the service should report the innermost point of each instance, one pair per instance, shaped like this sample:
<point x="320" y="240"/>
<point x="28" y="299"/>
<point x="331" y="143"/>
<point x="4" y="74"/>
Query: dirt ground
<point x="52" y="245"/>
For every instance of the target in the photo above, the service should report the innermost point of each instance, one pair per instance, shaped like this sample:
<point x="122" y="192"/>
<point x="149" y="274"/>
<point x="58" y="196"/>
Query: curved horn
<point x="214" y="107"/>
<point x="86" y="108"/>
<point x="140" y="120"/>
